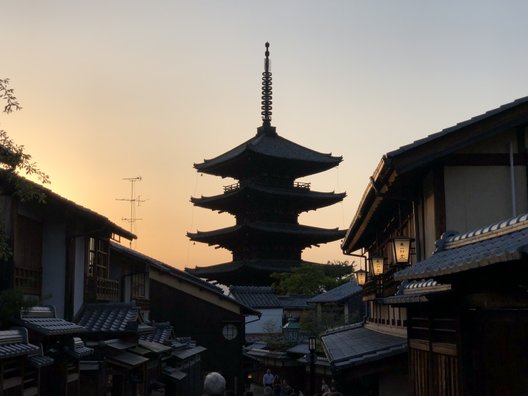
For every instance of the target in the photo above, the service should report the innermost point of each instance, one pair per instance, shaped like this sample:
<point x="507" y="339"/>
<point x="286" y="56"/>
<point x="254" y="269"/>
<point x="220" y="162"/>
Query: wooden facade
<point x="461" y="178"/>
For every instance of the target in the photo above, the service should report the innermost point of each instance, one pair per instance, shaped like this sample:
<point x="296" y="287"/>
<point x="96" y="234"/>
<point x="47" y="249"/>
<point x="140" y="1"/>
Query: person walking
<point x="267" y="379"/>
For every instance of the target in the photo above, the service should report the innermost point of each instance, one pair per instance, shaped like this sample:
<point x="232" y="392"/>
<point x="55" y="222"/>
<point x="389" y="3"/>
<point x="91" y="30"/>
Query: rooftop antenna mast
<point x="133" y="200"/>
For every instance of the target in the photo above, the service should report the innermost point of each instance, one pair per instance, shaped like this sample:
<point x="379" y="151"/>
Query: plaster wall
<point x="428" y="217"/>
<point x="477" y="196"/>
<point x="78" y="290"/>
<point x="270" y="321"/>
<point x="54" y="266"/>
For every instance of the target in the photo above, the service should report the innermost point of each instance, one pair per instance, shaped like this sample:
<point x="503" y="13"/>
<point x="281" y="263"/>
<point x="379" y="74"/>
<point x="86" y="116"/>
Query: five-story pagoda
<point x="266" y="203"/>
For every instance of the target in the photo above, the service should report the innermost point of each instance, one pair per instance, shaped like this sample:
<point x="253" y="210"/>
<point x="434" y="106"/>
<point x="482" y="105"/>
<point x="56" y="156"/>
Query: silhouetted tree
<point x="312" y="279"/>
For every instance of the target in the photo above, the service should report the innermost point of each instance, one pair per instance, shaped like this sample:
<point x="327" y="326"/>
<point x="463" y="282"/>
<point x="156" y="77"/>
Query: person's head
<point x="157" y="389"/>
<point x="268" y="391"/>
<point x="268" y="371"/>
<point x="214" y="384"/>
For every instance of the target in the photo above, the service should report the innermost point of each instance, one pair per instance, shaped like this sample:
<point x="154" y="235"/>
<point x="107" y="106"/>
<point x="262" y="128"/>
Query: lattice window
<point x="97" y="258"/>
<point x="139" y="285"/>
<point x="28" y="255"/>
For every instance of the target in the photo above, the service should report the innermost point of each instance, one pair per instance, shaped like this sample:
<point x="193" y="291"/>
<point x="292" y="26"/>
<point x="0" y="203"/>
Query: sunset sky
<point x="120" y="89"/>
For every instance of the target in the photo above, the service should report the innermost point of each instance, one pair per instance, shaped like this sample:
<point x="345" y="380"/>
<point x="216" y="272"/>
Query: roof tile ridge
<point x="495" y="230"/>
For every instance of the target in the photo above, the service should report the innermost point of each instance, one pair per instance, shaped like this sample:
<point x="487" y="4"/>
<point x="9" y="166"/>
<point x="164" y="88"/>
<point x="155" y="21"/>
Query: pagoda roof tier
<point x="246" y="272"/>
<point x="268" y="153"/>
<point x="289" y="234"/>
<point x="295" y="199"/>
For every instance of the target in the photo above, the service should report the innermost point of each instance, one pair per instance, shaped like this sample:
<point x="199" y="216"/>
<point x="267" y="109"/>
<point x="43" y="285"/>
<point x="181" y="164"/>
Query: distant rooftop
<point x="337" y="294"/>
<point x="255" y="296"/>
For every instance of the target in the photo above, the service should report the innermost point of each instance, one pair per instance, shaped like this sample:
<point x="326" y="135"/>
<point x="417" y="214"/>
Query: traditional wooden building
<point x="59" y="249"/>
<point x="467" y="309"/>
<point x="61" y="344"/>
<point x="266" y="202"/>
<point x="461" y="178"/>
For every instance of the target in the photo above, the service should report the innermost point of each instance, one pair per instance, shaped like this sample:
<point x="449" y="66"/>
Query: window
<point x="97" y="258"/>
<point x="28" y="255"/>
<point x="139" y="285"/>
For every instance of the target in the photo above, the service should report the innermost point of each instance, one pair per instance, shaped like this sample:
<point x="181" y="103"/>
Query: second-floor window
<point x="139" y="285"/>
<point x="97" y="258"/>
<point x="28" y="255"/>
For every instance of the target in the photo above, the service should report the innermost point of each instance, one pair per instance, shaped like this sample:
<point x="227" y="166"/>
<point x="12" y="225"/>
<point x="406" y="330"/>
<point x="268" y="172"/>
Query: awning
<point x="119" y="344"/>
<point x="155" y="347"/>
<point x="174" y="373"/>
<point x="186" y="353"/>
<point x="127" y="359"/>
<point x="357" y="345"/>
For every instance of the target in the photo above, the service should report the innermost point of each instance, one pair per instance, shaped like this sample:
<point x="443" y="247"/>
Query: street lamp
<point x="377" y="265"/>
<point x="312" y="345"/>
<point x="401" y="247"/>
<point x="361" y="277"/>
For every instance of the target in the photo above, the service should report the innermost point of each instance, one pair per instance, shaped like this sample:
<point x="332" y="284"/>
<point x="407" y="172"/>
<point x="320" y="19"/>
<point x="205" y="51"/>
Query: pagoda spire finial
<point x="266" y="91"/>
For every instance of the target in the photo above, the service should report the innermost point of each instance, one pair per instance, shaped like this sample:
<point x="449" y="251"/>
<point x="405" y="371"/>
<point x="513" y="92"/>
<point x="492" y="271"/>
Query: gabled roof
<point x="337" y="294"/>
<point x="396" y="164"/>
<point x="52" y="197"/>
<point x="255" y="296"/>
<point x="355" y="345"/>
<point x="165" y="267"/>
<point x="273" y="150"/>
<point x="186" y="278"/>
<point x="496" y="243"/>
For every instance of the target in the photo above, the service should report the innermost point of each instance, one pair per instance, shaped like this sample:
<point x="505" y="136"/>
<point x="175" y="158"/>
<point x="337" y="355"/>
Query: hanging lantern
<point x="377" y="265"/>
<point x="361" y="277"/>
<point x="401" y="249"/>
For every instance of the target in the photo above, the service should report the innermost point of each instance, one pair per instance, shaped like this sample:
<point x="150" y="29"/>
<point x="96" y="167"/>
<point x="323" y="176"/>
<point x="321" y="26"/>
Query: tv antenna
<point x="134" y="201"/>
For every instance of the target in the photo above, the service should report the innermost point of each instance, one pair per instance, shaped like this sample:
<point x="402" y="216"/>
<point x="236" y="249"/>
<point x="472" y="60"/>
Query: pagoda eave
<point x="295" y="235"/>
<point x="294" y="199"/>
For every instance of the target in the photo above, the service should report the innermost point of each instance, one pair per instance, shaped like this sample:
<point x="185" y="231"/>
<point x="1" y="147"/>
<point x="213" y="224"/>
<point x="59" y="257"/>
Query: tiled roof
<point x="340" y="293"/>
<point x="109" y="318"/>
<point x="42" y="320"/>
<point x="295" y="301"/>
<point x="162" y="333"/>
<point x="396" y="164"/>
<point x="255" y="296"/>
<point x="303" y="199"/>
<point x="500" y="242"/>
<point x="306" y="235"/>
<point x="165" y="267"/>
<point x="14" y="343"/>
<point x="273" y="146"/>
<point x="458" y="126"/>
<point x="355" y="345"/>
<point x="78" y="349"/>
<point x="50" y="195"/>
<point x="40" y="361"/>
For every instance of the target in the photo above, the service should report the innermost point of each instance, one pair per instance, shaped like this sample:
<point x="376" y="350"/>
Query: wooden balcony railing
<point x="302" y="185"/>
<point x="107" y="290"/>
<point x="28" y="280"/>
<point x="231" y="187"/>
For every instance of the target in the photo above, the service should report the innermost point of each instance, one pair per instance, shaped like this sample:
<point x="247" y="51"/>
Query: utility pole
<point x="133" y="200"/>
